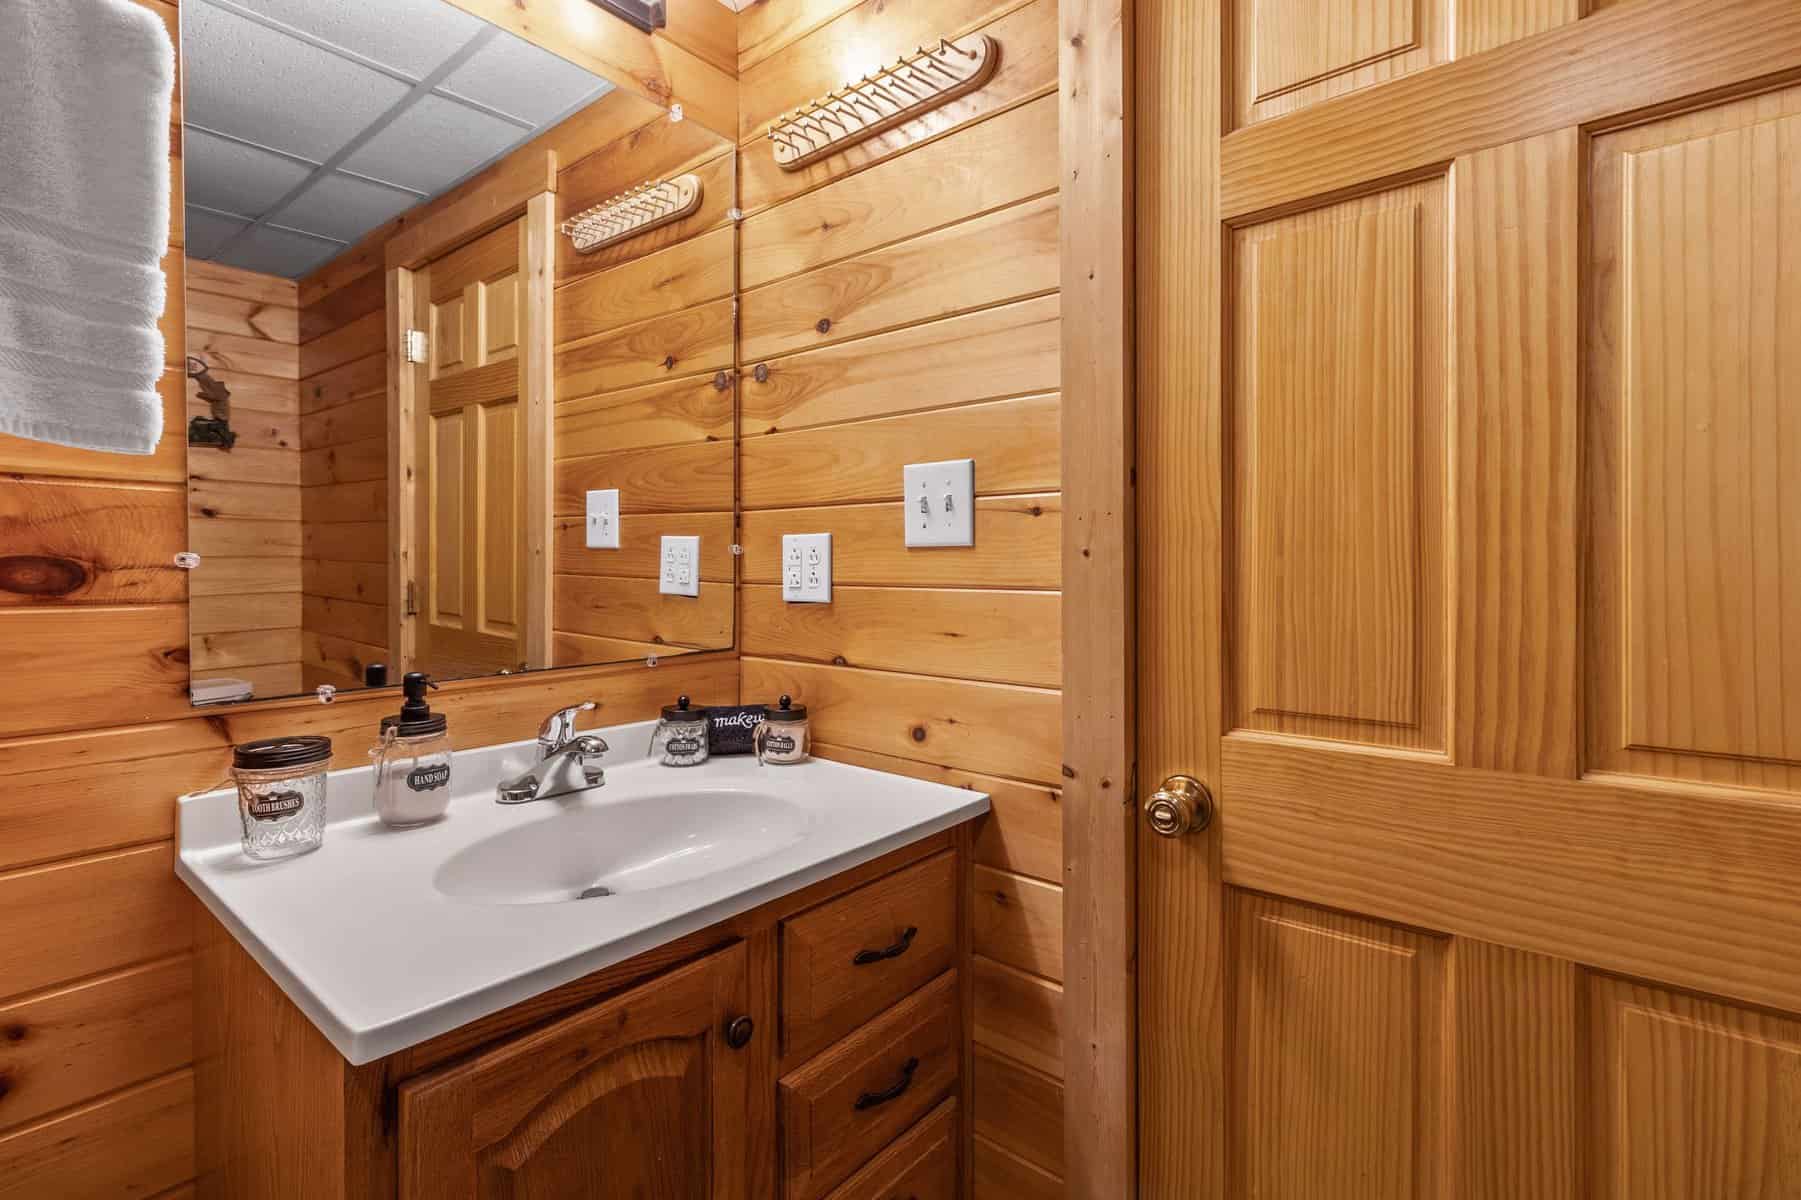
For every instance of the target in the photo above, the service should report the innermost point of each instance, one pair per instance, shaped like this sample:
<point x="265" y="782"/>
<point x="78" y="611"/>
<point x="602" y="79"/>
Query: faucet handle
<point x="559" y="726"/>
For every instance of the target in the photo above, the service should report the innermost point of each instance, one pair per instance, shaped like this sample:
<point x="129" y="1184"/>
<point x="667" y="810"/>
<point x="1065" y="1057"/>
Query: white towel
<point x="85" y="91"/>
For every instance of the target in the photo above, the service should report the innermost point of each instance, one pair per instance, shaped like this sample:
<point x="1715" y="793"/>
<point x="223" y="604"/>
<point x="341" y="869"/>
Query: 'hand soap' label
<point x="425" y="779"/>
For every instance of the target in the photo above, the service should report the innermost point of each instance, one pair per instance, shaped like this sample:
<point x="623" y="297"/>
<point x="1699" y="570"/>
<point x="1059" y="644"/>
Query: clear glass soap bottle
<point x="412" y="761"/>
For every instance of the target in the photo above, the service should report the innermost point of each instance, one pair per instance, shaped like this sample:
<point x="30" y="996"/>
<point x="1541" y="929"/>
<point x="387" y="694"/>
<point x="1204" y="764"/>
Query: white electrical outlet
<point x="807" y="568"/>
<point x="603" y="519"/>
<point x="680" y="572"/>
<point x="940" y="502"/>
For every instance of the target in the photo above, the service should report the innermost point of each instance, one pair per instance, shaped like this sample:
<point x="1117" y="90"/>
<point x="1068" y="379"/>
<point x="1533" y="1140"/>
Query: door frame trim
<point x="1100" y="819"/>
<point x="430" y="240"/>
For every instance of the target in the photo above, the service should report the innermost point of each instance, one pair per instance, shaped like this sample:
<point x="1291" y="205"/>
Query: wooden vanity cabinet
<point x="815" y="1048"/>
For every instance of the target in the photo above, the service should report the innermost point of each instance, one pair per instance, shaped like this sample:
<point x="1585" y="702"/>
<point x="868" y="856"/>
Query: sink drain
<point x="593" y="892"/>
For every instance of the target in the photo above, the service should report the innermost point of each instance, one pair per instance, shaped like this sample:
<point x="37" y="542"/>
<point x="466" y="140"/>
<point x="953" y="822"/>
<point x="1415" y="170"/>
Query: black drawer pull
<point x="891" y="1092"/>
<point x="865" y="957"/>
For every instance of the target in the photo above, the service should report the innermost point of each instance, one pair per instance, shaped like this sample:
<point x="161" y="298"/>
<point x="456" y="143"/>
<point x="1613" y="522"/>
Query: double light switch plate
<point x="807" y="568"/>
<point x="940" y="502"/>
<point x="603" y="520"/>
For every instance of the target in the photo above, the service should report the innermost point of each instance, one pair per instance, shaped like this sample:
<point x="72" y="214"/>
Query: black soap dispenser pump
<point x="412" y="761"/>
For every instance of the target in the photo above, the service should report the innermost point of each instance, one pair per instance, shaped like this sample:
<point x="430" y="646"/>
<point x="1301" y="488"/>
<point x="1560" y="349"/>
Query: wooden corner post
<point x="1099" y="808"/>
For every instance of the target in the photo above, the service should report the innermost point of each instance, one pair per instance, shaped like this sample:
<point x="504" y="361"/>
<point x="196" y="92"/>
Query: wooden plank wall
<point x="96" y="740"/>
<point x="343" y="473"/>
<point x="904" y="298"/>
<point x="244" y="503"/>
<point x="645" y="401"/>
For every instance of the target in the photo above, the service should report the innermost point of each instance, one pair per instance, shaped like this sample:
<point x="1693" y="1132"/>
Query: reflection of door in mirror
<point x="470" y="492"/>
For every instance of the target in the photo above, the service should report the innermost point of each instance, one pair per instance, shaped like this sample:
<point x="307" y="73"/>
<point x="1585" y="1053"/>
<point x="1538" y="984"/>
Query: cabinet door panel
<point x="637" y="1097"/>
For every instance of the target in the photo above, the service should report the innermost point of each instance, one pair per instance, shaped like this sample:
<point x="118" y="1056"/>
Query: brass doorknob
<point x="1182" y="805"/>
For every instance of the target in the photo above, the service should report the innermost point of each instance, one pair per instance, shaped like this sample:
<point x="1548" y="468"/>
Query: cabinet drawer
<point x="922" y="1165"/>
<point x="851" y="1101"/>
<point x="848" y="959"/>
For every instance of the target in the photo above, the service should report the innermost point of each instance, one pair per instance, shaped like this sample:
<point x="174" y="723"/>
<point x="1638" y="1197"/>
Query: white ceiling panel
<point x="207" y="231"/>
<point x="249" y="81"/>
<point x="317" y="120"/>
<point x="235" y="178"/>
<point x="519" y="79"/>
<point x="343" y="207"/>
<point x="413" y="36"/>
<point x="431" y="145"/>
<point x="274" y="251"/>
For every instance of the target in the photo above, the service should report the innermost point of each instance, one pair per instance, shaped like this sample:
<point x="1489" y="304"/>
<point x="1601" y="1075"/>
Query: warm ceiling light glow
<point x="645" y="14"/>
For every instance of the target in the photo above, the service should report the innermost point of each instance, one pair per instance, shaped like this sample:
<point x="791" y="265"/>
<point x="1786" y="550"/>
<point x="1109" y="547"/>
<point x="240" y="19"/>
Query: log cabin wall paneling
<point x="244" y="504"/>
<point x="97" y="739"/>
<point x="343" y="475"/>
<point x="645" y="401"/>
<point x="903" y="297"/>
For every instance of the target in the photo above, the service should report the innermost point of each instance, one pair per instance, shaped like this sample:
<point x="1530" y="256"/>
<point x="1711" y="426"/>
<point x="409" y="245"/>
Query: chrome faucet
<point x="564" y="764"/>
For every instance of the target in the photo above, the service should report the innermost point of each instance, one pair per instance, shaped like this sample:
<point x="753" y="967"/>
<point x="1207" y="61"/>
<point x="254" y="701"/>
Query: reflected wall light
<point x="647" y="15"/>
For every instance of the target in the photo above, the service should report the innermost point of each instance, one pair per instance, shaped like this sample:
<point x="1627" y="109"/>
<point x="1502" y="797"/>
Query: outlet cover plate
<point x="940" y="502"/>
<point x="680" y="570"/>
<point x="807" y="568"/>
<point x="603" y="519"/>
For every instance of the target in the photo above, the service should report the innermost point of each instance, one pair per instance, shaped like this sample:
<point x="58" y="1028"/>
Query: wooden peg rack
<point x="631" y="213"/>
<point x="916" y="83"/>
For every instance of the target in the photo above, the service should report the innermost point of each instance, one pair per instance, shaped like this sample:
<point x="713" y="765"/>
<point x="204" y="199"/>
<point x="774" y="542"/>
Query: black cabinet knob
<point x="737" y="1034"/>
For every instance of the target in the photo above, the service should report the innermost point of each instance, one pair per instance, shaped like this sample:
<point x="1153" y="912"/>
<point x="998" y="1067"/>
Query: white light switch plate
<point x="603" y="519"/>
<point x="680" y="573"/>
<point x="940" y="502"/>
<point x="807" y="568"/>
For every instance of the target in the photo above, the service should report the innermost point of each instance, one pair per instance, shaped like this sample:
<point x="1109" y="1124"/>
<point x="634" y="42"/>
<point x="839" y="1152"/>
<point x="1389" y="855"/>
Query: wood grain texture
<point x="689" y="342"/>
<point x="1000" y="256"/>
<point x="85" y="657"/>
<point x="1293" y="53"/>
<point x="1000" y="1174"/>
<point x="69" y="1045"/>
<point x="139" y="1141"/>
<point x="686" y="274"/>
<point x="69" y="542"/>
<point x="1515" y="703"/>
<point x="988" y="166"/>
<point x="1018" y="921"/>
<point x="1023" y="832"/>
<point x="1340" y="470"/>
<point x="1007" y="637"/>
<point x="53" y="931"/>
<point x="1560" y="78"/>
<point x="696" y="477"/>
<point x="1020" y="1110"/>
<point x="1019" y="1015"/>
<point x="1618" y="876"/>
<point x="1316" y="992"/>
<point x="1016" y="442"/>
<point x="1675" y="1081"/>
<point x="694" y="409"/>
<point x="1010" y="350"/>
<point x="635" y="609"/>
<point x="1691" y="625"/>
<point x="1486" y="24"/>
<point x="975" y="726"/>
<point x="1027" y="71"/>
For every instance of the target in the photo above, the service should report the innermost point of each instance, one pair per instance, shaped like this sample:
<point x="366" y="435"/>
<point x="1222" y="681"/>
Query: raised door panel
<point x="1696" y="470"/>
<point x="1292" y="53"/>
<point x="1339" y="466"/>
<point x="1337" y="1036"/>
<point x="1693" y="1099"/>
<point x="637" y="1096"/>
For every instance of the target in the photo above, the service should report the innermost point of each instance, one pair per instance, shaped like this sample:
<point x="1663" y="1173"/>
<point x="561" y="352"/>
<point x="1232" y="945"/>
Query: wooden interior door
<point x="1469" y="467"/>
<point x="471" y="460"/>
<point x="639" y="1097"/>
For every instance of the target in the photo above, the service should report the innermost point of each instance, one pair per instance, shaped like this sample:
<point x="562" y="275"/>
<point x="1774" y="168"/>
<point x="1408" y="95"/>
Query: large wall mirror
<point x="460" y="352"/>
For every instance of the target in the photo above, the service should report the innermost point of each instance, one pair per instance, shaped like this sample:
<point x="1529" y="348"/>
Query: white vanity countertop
<point x="388" y="937"/>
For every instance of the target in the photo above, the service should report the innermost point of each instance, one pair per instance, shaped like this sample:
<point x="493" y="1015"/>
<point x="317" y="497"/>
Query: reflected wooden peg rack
<point x="640" y="210"/>
<point x="916" y="84"/>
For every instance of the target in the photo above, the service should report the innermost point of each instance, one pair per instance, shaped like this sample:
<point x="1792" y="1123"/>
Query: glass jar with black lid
<point x="681" y="736"/>
<point x="782" y="738"/>
<point x="281" y="794"/>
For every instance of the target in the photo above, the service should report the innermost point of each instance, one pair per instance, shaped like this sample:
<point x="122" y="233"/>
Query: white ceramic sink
<point x="387" y="937"/>
<point x="606" y="847"/>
